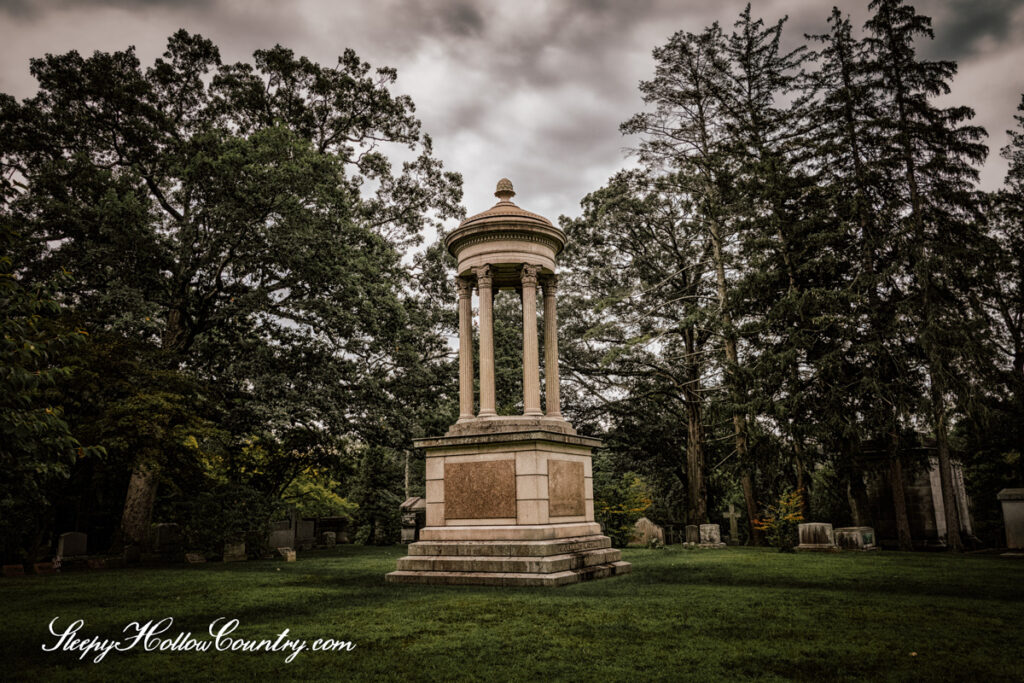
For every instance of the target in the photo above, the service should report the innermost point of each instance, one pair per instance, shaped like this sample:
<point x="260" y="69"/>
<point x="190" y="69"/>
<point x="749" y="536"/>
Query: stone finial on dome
<point x="505" y="191"/>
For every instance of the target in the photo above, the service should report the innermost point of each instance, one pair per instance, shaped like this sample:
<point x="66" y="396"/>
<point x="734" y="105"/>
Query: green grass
<point x="731" y="615"/>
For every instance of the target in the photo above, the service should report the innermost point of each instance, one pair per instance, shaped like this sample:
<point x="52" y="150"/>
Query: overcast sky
<point x="529" y="89"/>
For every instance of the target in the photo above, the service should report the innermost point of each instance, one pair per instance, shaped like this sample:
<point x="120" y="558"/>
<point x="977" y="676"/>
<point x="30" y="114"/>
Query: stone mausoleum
<point x="510" y="498"/>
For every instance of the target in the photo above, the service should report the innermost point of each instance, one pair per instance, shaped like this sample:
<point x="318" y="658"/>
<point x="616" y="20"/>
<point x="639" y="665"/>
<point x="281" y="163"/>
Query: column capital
<point x="550" y="284"/>
<point x="464" y="286"/>
<point x="528" y="275"/>
<point x="483" y="276"/>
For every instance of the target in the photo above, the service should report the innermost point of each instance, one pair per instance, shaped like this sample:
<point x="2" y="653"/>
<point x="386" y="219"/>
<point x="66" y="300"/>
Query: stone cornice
<point x="463" y="237"/>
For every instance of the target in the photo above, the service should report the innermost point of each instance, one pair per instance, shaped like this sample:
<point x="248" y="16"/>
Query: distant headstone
<point x="13" y="570"/>
<point x="195" y="558"/>
<point x="305" y="534"/>
<point x="855" y="538"/>
<point x="734" y="528"/>
<point x="711" y="536"/>
<point x="72" y="544"/>
<point x="1012" y="501"/>
<point x="235" y="552"/>
<point x="328" y="538"/>
<point x="286" y="554"/>
<point x="414" y="514"/>
<point x="282" y="535"/>
<point x="692" y="533"/>
<point x="816" y="536"/>
<point x="645" y="530"/>
<point x="97" y="563"/>
<point x="132" y="554"/>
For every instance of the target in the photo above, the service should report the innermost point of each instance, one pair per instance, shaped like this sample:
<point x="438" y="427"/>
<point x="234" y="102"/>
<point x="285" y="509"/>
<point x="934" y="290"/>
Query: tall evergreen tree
<point x="877" y="387"/>
<point x="933" y="153"/>
<point x="685" y="134"/>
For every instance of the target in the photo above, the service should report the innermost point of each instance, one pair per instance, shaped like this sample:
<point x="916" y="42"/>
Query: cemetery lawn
<point x="732" y="615"/>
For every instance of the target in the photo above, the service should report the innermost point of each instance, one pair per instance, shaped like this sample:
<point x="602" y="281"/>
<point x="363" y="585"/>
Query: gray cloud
<point x="963" y="28"/>
<point x="32" y="9"/>
<point x="529" y="89"/>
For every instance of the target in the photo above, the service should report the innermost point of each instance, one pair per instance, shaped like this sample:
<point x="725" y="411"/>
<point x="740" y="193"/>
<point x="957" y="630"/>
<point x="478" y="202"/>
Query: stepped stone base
<point x="549" y="562"/>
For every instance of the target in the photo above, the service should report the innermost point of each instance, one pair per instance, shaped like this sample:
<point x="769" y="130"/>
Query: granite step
<point x="535" y="565"/>
<point x="560" y="578"/>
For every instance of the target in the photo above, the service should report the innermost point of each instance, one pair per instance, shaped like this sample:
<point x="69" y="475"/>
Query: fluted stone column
<point x="551" y="391"/>
<point x="465" y="288"/>
<point x="483" y="283"/>
<point x="531" y="367"/>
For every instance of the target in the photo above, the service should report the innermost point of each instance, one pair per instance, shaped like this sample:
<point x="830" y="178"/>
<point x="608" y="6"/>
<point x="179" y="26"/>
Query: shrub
<point x="779" y="522"/>
<point x="618" y="503"/>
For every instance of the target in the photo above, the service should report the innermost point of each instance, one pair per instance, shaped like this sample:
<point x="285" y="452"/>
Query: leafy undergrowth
<point x="731" y="615"/>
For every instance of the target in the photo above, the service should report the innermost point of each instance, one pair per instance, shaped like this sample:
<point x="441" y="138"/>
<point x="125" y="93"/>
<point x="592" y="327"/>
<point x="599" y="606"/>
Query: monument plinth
<point x="510" y="498"/>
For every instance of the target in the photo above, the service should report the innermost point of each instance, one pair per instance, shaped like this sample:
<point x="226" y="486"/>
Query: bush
<point x="618" y="503"/>
<point x="780" y="522"/>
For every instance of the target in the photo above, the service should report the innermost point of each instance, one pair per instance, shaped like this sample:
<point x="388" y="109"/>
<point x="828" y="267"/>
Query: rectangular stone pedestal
<point x="509" y="509"/>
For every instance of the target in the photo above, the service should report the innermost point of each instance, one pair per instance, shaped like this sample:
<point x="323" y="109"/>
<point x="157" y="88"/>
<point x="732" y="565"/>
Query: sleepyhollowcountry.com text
<point x="149" y="637"/>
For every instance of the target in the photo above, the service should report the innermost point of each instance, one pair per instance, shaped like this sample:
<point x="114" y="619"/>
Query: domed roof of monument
<point x="505" y="210"/>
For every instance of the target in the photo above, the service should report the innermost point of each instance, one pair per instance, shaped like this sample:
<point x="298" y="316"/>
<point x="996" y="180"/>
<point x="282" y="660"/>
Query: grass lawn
<point x="731" y="615"/>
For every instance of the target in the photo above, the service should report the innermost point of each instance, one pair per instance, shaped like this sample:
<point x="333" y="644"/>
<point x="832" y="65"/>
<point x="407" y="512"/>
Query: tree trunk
<point x="954" y="541"/>
<point x="138" y="506"/>
<point x="696" y="495"/>
<point x="803" y="478"/>
<point x="138" y="503"/>
<point x="747" y="480"/>
<point x="899" y="500"/>
<point x="858" y="498"/>
<point x="732" y="358"/>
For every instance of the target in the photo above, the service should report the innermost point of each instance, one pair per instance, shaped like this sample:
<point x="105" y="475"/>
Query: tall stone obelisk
<point x="510" y="498"/>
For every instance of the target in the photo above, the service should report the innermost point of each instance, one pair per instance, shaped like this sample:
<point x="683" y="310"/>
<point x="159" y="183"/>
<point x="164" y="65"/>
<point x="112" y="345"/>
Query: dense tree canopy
<point x="240" y="225"/>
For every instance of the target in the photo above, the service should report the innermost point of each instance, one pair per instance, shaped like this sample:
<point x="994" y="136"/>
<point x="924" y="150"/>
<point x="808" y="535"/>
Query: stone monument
<point x="711" y="536"/>
<point x="816" y="536"/>
<point x="1012" y="501"/>
<point x="855" y="538"/>
<point x="509" y="498"/>
<point x="645" y="530"/>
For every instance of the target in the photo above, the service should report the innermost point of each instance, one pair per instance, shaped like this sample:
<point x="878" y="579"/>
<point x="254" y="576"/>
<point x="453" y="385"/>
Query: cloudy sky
<point x="529" y="89"/>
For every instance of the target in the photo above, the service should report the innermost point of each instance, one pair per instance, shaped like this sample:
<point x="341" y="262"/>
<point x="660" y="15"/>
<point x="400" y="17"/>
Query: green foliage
<point x="619" y="501"/>
<point x="375" y="490"/>
<point x="37" y="448"/>
<point x="226" y="513"/>
<point x="237" y="235"/>
<point x="780" y="522"/>
<point x="314" y="496"/>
